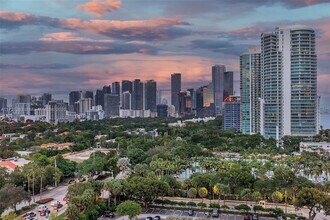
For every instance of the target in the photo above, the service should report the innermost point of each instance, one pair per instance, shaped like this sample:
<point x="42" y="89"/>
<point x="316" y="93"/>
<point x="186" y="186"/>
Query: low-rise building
<point x="55" y="146"/>
<point x="317" y="147"/>
<point x="8" y="165"/>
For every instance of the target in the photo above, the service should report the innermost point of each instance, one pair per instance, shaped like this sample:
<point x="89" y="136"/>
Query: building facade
<point x="232" y="113"/>
<point x="218" y="87"/>
<point x="175" y="90"/>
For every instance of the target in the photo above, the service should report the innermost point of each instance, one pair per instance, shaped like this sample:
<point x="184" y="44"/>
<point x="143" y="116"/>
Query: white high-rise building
<point x="56" y="111"/>
<point x="289" y="76"/>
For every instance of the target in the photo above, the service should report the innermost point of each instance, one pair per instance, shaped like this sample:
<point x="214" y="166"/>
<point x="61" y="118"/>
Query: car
<point x="29" y="215"/>
<point x="42" y="208"/>
<point x="44" y="213"/>
<point x="149" y="218"/>
<point x="108" y="214"/>
<point x="255" y="217"/>
<point x="207" y="214"/>
<point x="157" y="217"/>
<point x="215" y="213"/>
<point x="191" y="212"/>
<point x="246" y="217"/>
<point x="57" y="205"/>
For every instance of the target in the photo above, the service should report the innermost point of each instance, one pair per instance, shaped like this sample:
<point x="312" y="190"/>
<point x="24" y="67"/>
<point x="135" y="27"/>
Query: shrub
<point x="225" y="207"/>
<point x="191" y="204"/>
<point x="258" y="208"/>
<point x="182" y="203"/>
<point x="201" y="204"/>
<point x="214" y="205"/>
<point x="243" y="207"/>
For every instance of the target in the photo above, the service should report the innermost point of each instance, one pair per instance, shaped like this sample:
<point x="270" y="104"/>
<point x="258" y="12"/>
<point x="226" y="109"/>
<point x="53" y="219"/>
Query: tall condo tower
<point x="218" y="87"/>
<point x="175" y="89"/>
<point x="289" y="72"/>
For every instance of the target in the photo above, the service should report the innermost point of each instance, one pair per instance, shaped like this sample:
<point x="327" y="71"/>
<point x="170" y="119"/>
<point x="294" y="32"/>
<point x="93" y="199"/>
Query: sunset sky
<point x="61" y="45"/>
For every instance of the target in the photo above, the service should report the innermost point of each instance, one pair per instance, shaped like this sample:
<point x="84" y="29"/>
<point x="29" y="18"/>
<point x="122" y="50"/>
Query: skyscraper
<point x="218" y="87"/>
<point x="228" y="84"/>
<point x="106" y="89"/>
<point x="116" y="88"/>
<point x="289" y="72"/>
<point x="99" y="98"/>
<point x="74" y="97"/>
<point x="250" y="87"/>
<point x="175" y="90"/>
<point x="111" y="105"/>
<point x="137" y="95"/>
<point x="231" y="113"/>
<point x="3" y="105"/>
<point x="45" y="98"/>
<point x="150" y="92"/>
<point x="126" y="100"/>
<point x="126" y="85"/>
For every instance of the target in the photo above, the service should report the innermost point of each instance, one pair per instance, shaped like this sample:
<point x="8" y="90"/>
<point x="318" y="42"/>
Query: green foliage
<point x="214" y="205"/>
<point x="129" y="208"/>
<point x="243" y="207"/>
<point x="192" y="193"/>
<point x="11" y="195"/>
<point x="193" y="204"/>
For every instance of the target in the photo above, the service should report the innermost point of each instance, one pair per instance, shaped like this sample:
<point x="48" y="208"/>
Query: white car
<point x="42" y="208"/>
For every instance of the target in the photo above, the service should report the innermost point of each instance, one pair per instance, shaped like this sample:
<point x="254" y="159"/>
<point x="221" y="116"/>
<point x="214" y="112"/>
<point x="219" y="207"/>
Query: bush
<point x="44" y="201"/>
<point x="158" y="201"/>
<point x="258" y="208"/>
<point x="201" y="204"/>
<point x="243" y="207"/>
<point x="214" y="205"/>
<point x="166" y="201"/>
<point x="278" y="211"/>
<point x="174" y="202"/>
<point x="225" y="207"/>
<point x="182" y="203"/>
<point x="191" y="204"/>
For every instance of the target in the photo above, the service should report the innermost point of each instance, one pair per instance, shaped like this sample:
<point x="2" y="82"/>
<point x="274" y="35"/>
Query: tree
<point x="124" y="166"/>
<point x="10" y="216"/>
<point x="192" y="193"/>
<point x="116" y="187"/>
<point x="245" y="194"/>
<point x="277" y="197"/>
<point x="256" y="196"/>
<point x="202" y="192"/>
<point x="72" y="212"/>
<point x="129" y="208"/>
<point x="311" y="198"/>
<point x="11" y="195"/>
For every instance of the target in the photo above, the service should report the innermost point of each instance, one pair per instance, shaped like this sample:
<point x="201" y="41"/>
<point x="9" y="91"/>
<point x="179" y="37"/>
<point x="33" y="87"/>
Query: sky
<point x="58" y="46"/>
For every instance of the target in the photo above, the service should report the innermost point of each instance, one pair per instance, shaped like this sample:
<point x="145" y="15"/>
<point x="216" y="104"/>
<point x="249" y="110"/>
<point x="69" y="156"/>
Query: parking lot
<point x="197" y="214"/>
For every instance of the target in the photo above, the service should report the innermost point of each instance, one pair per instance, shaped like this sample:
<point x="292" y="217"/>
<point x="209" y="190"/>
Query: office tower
<point x="218" y="87"/>
<point x="150" y="93"/>
<point x="175" y="90"/>
<point x="185" y="103"/>
<point x="159" y="97"/>
<point x="126" y="86"/>
<point x="231" y="113"/>
<point x="208" y="95"/>
<point x="45" y="98"/>
<point x="99" y="98"/>
<point x="85" y="104"/>
<point x="55" y="111"/>
<point x="289" y="73"/>
<point x="250" y="89"/>
<point x="228" y="84"/>
<point x="137" y="95"/>
<point x="193" y="98"/>
<point x="3" y="105"/>
<point x="126" y="100"/>
<point x="162" y="111"/>
<point x="106" y="89"/>
<point x="116" y="88"/>
<point x="111" y="105"/>
<point x="74" y="97"/>
<point x="199" y="98"/>
<point x="21" y="98"/>
<point x="86" y="95"/>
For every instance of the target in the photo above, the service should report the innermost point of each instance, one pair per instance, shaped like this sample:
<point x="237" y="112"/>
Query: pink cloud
<point x="68" y="36"/>
<point x="100" y="7"/>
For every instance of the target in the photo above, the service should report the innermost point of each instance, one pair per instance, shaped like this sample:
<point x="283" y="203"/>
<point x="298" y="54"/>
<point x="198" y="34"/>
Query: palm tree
<point x="42" y="175"/>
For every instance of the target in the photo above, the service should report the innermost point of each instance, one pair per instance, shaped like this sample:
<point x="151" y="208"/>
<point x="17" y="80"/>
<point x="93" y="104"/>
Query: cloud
<point x="75" y="47"/>
<point x="219" y="46"/>
<point x="157" y="29"/>
<point x="34" y="66"/>
<point x="100" y="7"/>
<point x="68" y="36"/>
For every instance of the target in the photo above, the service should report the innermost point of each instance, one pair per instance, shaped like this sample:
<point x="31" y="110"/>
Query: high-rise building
<point x="106" y="89"/>
<point x="86" y="95"/>
<point x="74" y="97"/>
<point x="228" y="84"/>
<point x="185" y="103"/>
<point x="289" y="74"/>
<point x="159" y="97"/>
<point x="218" y="87"/>
<point x="150" y="93"/>
<point x="45" y="98"/>
<point x="162" y="111"/>
<point x="208" y="95"/>
<point x="137" y="95"/>
<point x="99" y="98"/>
<point x="126" y="100"/>
<point x="250" y="89"/>
<point x="231" y="113"/>
<point x="55" y="111"/>
<point x="111" y="105"/>
<point x="193" y="98"/>
<point x="126" y="86"/>
<point x="116" y="88"/>
<point x="3" y="105"/>
<point x="175" y="90"/>
<point x="85" y="104"/>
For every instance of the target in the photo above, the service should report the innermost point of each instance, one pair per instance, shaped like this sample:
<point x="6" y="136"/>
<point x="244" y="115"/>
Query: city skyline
<point x="63" y="42"/>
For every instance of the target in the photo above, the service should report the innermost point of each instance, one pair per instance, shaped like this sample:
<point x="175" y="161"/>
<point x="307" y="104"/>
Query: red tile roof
<point x="8" y="164"/>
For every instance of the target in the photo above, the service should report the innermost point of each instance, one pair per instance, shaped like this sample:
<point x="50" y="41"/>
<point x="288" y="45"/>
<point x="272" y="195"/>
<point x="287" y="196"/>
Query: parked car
<point x="191" y="212"/>
<point x="246" y="217"/>
<point x="148" y="218"/>
<point x="255" y="217"/>
<point x="43" y="213"/>
<point x="29" y="215"/>
<point x="57" y="205"/>
<point x="42" y="208"/>
<point x="157" y="217"/>
<point x="108" y="214"/>
<point x="207" y="214"/>
<point x="215" y="213"/>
